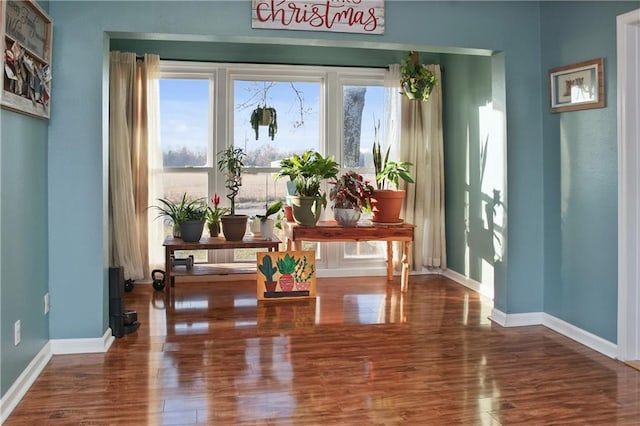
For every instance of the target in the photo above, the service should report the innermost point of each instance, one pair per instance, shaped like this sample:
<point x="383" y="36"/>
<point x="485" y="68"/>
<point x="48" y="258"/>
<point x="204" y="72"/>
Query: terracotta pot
<point x="288" y="211"/>
<point x="386" y="205"/>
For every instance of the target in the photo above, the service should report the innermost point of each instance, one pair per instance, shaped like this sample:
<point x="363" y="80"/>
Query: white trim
<point x="628" y="56"/>
<point x="581" y="336"/>
<point x="516" y="320"/>
<point x="82" y="346"/>
<point x="556" y="324"/>
<point x="22" y="384"/>
<point x="483" y="289"/>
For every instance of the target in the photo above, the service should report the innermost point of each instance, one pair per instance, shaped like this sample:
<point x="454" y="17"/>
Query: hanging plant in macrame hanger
<point x="416" y="80"/>
<point x="264" y="116"/>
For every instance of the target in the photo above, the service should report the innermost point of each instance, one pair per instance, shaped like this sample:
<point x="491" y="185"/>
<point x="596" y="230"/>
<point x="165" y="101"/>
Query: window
<point x="330" y="110"/>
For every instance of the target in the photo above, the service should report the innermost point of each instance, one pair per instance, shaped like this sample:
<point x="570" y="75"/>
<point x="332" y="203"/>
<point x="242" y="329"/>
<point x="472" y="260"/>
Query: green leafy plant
<point x="416" y="80"/>
<point x="231" y="162"/>
<point x="271" y="210"/>
<point x="265" y="116"/>
<point x="267" y="268"/>
<point x="287" y="265"/>
<point x="307" y="171"/>
<point x="388" y="171"/>
<point x="181" y="211"/>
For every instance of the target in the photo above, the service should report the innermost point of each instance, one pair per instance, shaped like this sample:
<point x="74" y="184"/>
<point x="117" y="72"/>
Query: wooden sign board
<point x="343" y="16"/>
<point x="286" y="275"/>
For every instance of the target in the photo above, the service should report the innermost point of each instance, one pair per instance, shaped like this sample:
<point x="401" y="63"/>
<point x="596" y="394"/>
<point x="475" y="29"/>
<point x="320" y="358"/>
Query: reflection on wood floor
<point x="361" y="353"/>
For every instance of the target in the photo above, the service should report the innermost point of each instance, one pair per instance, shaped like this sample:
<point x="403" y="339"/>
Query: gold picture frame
<point x="26" y="32"/>
<point x="577" y="86"/>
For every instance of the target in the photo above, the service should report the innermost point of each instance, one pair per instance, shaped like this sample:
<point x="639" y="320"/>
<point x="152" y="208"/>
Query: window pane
<point x="297" y="107"/>
<point x="363" y="106"/>
<point x="184" y="125"/>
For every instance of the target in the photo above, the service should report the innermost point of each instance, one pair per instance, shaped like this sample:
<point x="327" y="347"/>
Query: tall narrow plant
<point x="388" y="171"/>
<point x="231" y="163"/>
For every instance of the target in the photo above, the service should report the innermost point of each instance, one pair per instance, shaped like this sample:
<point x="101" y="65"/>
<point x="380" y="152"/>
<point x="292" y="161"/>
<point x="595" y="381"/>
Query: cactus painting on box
<point x="286" y="275"/>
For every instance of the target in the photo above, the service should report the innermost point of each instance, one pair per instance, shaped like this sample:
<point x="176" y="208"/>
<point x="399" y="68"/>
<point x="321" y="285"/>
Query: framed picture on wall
<point x="578" y="86"/>
<point x="26" y="32"/>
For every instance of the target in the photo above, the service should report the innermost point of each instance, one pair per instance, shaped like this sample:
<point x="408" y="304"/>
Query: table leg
<point x="404" y="280"/>
<point x="389" y="260"/>
<point x="168" y="279"/>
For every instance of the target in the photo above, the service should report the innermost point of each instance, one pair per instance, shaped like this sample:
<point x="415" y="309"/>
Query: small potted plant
<point x="267" y="223"/>
<point x="416" y="80"/>
<point x="231" y="163"/>
<point x="387" y="198"/>
<point x="350" y="195"/>
<point x="307" y="171"/>
<point x="214" y="214"/>
<point x="181" y="211"/>
<point x="268" y="270"/>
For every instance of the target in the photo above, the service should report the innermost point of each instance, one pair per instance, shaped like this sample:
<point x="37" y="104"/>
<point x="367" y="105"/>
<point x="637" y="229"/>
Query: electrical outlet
<point x="16" y="333"/>
<point x="46" y="303"/>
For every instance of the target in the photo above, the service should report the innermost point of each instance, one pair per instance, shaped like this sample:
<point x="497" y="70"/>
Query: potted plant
<point x="287" y="267"/>
<point x="268" y="270"/>
<point x="267" y="223"/>
<point x="350" y="195"/>
<point x="231" y="163"/>
<point x="214" y="214"/>
<point x="192" y="222"/>
<point x="307" y="171"/>
<point x="179" y="211"/>
<point x="265" y="116"/>
<point x="386" y="200"/>
<point x="416" y="80"/>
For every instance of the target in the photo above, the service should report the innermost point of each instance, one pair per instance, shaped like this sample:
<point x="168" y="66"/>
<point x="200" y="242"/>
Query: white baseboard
<point x="22" y="384"/>
<point x="82" y="346"/>
<point x="483" y="289"/>
<point x="560" y="326"/>
<point x="581" y="336"/>
<point x="516" y="320"/>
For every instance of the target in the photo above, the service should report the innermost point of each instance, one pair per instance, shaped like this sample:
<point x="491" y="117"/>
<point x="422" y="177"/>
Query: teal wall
<point x="81" y="39"/>
<point x="23" y="241"/>
<point x="580" y="169"/>
<point x="527" y="38"/>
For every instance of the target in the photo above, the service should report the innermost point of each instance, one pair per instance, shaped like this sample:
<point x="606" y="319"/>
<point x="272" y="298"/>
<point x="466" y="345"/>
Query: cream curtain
<point x="421" y="144"/>
<point x="128" y="152"/>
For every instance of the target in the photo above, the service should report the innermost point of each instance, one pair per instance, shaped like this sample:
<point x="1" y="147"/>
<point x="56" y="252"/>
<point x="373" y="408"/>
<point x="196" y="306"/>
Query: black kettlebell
<point x="157" y="275"/>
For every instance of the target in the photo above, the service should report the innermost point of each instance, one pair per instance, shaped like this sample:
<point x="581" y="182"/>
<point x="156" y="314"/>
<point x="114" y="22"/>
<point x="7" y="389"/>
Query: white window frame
<point x="332" y="261"/>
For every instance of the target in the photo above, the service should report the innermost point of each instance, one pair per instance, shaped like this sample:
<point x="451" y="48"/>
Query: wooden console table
<point x="171" y="245"/>
<point x="331" y="231"/>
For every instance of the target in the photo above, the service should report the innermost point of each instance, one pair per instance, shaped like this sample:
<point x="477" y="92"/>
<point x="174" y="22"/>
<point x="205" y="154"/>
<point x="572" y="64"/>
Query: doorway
<point x="628" y="52"/>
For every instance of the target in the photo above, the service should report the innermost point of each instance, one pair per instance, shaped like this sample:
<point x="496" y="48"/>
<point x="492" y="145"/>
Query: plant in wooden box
<point x="214" y="214"/>
<point x="231" y="162"/>
<point x="188" y="213"/>
<point x="307" y="171"/>
<point x="350" y="195"/>
<point x="268" y="270"/>
<point x="287" y="266"/>
<point x="385" y="202"/>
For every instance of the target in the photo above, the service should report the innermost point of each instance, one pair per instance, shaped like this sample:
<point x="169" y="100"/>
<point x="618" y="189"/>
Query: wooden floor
<point x="361" y="353"/>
